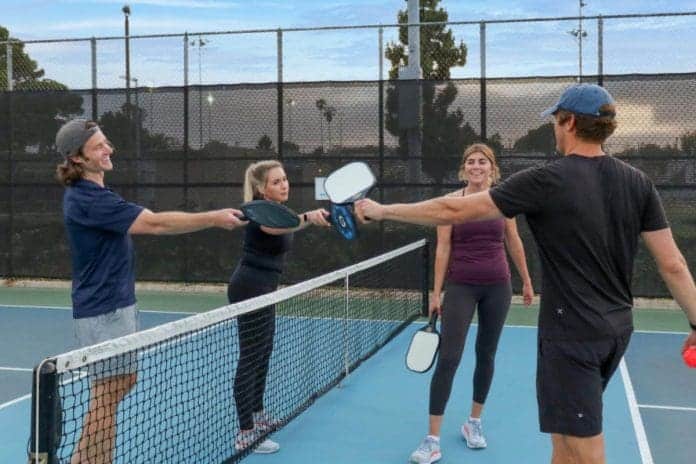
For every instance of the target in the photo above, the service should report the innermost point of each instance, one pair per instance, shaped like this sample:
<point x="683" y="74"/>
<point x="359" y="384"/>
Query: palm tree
<point x="321" y="104"/>
<point x="329" y="114"/>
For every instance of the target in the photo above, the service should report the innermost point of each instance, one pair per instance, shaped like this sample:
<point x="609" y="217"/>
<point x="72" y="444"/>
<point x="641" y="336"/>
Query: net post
<point x="426" y="277"/>
<point x="346" y="367"/>
<point x="45" y="415"/>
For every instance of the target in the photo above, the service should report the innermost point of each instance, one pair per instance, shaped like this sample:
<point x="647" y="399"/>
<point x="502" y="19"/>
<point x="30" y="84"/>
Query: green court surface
<point x="655" y="319"/>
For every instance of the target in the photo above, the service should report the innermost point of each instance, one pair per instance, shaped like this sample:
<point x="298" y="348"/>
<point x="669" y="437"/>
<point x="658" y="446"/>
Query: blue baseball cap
<point x="584" y="99"/>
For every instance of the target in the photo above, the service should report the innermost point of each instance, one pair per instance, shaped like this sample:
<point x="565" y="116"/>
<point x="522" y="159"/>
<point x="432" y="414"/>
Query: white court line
<point x="68" y="308"/>
<point x="16" y="369"/>
<point x="643" y="445"/>
<point x="668" y="408"/>
<point x="664" y="332"/>
<point x="16" y="400"/>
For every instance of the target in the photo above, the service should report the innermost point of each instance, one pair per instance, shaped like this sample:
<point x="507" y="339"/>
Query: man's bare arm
<point x="437" y="211"/>
<point x="673" y="269"/>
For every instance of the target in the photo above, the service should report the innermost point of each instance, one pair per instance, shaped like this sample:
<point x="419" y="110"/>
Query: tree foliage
<point x="31" y="115"/>
<point x="121" y="130"/>
<point x="688" y="142"/>
<point x="540" y="140"/>
<point x="445" y="131"/>
<point x="265" y="144"/>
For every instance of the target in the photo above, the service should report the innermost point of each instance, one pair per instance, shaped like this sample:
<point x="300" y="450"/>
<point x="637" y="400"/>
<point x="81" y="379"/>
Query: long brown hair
<point x="256" y="176"/>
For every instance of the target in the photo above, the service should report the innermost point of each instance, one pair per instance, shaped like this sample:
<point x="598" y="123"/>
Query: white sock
<point x="434" y="438"/>
<point x="475" y="419"/>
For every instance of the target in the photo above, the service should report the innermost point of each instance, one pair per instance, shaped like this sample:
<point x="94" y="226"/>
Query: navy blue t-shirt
<point x="97" y="222"/>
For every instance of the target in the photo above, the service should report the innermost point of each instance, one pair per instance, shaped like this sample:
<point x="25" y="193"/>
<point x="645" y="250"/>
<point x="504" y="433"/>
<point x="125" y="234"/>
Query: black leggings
<point x="256" y="332"/>
<point x="493" y="303"/>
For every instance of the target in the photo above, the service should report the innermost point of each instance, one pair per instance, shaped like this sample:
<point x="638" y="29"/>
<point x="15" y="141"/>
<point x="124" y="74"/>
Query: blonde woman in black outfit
<point x="258" y="272"/>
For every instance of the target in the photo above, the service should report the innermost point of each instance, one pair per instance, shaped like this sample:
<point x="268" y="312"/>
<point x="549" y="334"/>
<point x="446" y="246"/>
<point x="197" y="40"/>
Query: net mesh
<point x="197" y="376"/>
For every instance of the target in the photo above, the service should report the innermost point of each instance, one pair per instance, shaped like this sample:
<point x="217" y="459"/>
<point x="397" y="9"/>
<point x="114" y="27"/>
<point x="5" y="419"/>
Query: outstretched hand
<point x="318" y="217"/>
<point x="229" y="218"/>
<point x="367" y="210"/>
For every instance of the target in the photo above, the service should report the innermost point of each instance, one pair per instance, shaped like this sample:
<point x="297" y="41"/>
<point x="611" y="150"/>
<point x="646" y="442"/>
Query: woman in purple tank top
<point x="470" y="262"/>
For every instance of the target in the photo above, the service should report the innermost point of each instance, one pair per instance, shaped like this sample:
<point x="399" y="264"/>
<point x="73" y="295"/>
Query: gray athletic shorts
<point x="97" y="329"/>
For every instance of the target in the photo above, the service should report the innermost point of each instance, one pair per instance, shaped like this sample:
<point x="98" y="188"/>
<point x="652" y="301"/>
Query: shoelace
<point x="476" y="429"/>
<point x="427" y="445"/>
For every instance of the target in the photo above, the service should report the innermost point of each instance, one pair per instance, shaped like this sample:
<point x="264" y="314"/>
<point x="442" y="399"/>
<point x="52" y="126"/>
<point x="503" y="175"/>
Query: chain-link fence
<point x="186" y="147"/>
<point x="166" y="173"/>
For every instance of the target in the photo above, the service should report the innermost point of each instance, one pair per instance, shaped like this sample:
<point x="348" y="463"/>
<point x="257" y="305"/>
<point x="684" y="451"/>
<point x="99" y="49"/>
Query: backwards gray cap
<point x="73" y="135"/>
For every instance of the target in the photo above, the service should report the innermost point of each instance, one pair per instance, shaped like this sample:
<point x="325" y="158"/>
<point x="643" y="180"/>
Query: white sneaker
<point x="267" y="446"/>
<point x="472" y="431"/>
<point x="427" y="452"/>
<point x="245" y="438"/>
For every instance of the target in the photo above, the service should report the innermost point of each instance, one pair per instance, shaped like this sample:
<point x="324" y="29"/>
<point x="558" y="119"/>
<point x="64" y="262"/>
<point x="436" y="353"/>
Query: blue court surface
<point x="379" y="413"/>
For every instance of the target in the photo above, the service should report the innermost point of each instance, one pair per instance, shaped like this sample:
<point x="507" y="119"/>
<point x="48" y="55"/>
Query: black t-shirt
<point x="586" y="215"/>
<point x="265" y="251"/>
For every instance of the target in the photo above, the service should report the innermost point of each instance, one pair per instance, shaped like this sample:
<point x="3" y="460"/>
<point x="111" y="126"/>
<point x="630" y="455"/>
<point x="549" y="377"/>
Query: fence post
<point x="95" y="110"/>
<point x="482" y="40"/>
<point x="187" y="241"/>
<point x="600" y="51"/>
<point x="10" y="164"/>
<point x="380" y="108"/>
<point x="279" y="38"/>
<point x="380" y="121"/>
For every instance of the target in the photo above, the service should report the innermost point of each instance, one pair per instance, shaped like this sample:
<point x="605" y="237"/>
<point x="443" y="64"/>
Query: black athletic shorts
<point x="571" y="378"/>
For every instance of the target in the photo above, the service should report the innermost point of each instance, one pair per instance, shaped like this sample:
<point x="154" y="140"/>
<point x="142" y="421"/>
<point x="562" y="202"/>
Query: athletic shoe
<point x="245" y="438"/>
<point x="472" y="431"/>
<point x="267" y="446"/>
<point x="264" y="423"/>
<point x="427" y="452"/>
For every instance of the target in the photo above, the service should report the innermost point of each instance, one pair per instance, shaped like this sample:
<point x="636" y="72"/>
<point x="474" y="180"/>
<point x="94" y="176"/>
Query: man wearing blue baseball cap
<point x="99" y="224"/>
<point x="586" y="211"/>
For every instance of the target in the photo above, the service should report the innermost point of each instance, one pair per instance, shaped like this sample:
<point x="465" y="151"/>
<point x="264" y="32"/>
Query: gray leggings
<point x="493" y="303"/>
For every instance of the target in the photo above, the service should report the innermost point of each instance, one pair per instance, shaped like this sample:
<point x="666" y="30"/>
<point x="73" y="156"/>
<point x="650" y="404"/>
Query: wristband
<point x="304" y="217"/>
<point x="693" y="326"/>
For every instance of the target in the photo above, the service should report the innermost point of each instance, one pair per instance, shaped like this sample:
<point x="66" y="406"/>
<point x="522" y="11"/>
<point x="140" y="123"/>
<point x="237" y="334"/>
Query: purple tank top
<point x="477" y="254"/>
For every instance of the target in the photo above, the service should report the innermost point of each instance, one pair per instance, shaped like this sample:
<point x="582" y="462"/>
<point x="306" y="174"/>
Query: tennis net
<point x="186" y="394"/>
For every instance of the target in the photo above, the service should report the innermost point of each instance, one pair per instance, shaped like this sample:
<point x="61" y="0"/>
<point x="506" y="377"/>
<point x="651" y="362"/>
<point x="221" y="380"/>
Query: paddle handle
<point x="432" y="322"/>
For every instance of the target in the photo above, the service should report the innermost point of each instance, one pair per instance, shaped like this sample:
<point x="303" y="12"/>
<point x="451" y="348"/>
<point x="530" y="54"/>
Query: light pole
<point x="126" y="14"/>
<point x="579" y="34"/>
<point x="210" y="99"/>
<point x="200" y="43"/>
<point x="291" y="104"/>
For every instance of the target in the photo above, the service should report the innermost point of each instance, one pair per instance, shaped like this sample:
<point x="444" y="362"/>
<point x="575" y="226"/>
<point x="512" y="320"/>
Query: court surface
<point x="379" y="413"/>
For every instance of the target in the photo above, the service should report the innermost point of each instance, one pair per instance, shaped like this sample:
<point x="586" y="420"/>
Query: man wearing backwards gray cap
<point x="99" y="224"/>
<point x="586" y="211"/>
